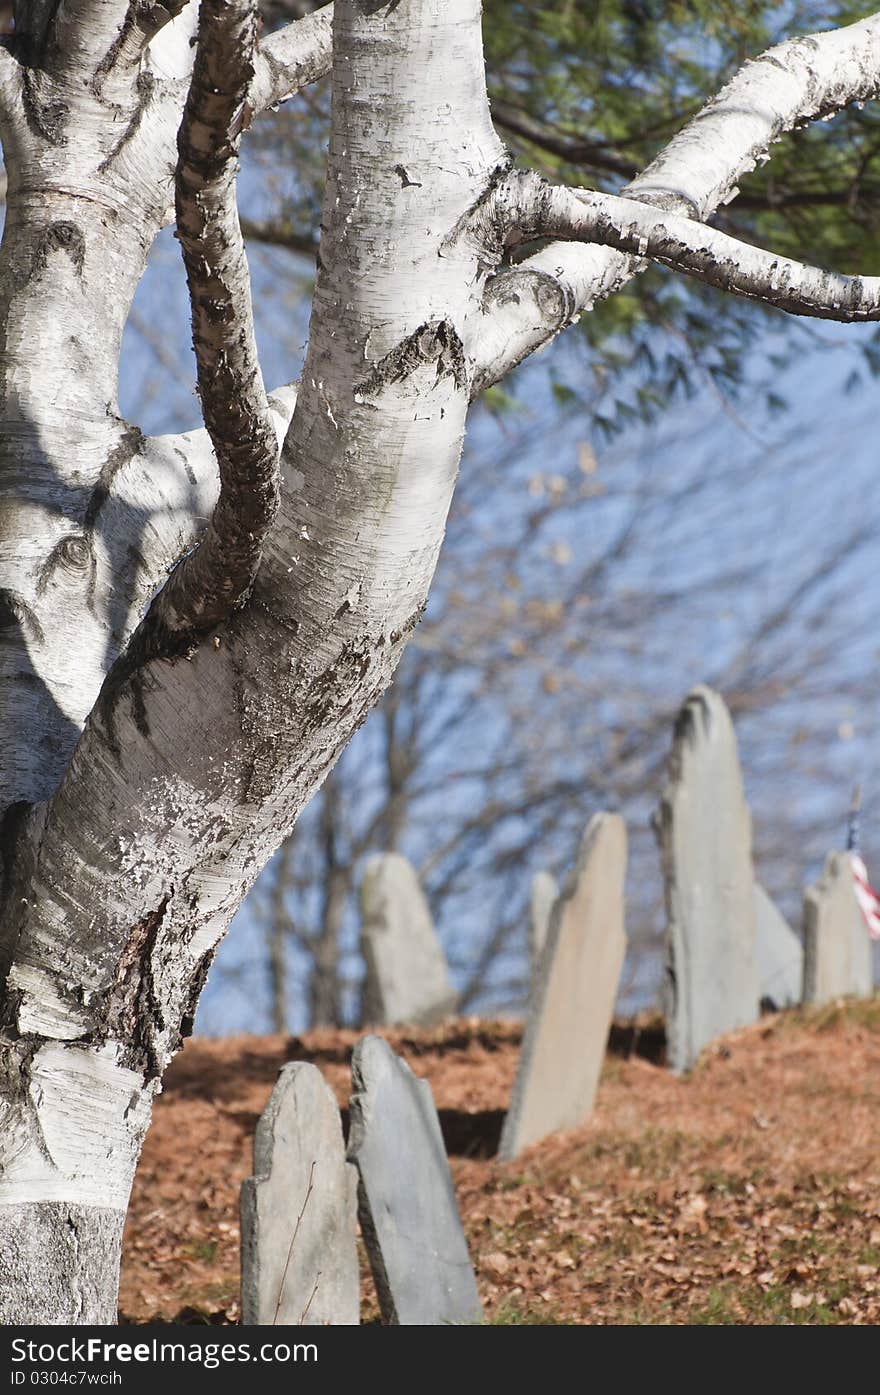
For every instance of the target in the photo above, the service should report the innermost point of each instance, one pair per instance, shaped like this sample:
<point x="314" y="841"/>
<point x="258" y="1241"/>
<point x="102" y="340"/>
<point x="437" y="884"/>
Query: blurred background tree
<point x="680" y="492"/>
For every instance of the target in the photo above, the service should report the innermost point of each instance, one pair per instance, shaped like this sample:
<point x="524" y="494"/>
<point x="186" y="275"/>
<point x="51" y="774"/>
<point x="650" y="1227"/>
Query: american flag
<point x="869" y="901"/>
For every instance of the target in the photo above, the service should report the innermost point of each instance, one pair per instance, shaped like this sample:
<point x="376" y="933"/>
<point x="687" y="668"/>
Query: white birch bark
<point x="524" y="207"/>
<point x="191" y="768"/>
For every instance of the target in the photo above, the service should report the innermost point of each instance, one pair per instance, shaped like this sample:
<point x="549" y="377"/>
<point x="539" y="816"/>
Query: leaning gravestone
<point x="544" y="894"/>
<point x="408" y="1214"/>
<point x="573" y="996"/>
<point x="406" y="979"/>
<point x="837" y="950"/>
<point x="704" y="830"/>
<point x="299" y="1211"/>
<point x="780" y="955"/>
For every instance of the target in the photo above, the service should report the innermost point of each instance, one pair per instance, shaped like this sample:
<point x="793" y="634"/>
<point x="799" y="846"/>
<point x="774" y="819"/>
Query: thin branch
<point x="291" y="58"/>
<point x="525" y="205"/>
<point x="791" y="84"/>
<point x="279" y="235"/>
<point x="217" y="577"/>
<point x="305" y="1312"/>
<point x="141" y="25"/>
<point x="299" y="1218"/>
<point x="98" y="40"/>
<point x="567" y="148"/>
<point x="595" y="155"/>
<point x="774" y="200"/>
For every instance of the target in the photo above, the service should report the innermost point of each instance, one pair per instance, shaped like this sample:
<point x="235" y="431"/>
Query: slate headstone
<point x="407" y="979"/>
<point x="837" y="949"/>
<point x="704" y="830"/>
<point x="408" y="1213"/>
<point x="299" y="1260"/>
<point x="544" y="893"/>
<point x="780" y="955"/>
<point x="573" y="996"/>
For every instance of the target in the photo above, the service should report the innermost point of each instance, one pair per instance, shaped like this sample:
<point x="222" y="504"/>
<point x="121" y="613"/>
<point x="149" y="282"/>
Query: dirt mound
<point x="746" y="1192"/>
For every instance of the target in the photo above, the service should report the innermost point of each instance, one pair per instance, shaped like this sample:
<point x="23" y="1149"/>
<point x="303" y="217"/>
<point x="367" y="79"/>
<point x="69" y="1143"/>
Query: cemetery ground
<point x="746" y="1192"/>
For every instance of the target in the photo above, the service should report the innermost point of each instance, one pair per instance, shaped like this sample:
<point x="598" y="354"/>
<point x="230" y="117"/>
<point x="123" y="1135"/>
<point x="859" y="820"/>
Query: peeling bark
<point x="525" y="207"/>
<point x="218" y="576"/>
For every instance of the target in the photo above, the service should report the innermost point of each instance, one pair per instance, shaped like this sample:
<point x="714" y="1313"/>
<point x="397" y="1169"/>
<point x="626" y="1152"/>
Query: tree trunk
<point x="69" y="1257"/>
<point x="192" y="766"/>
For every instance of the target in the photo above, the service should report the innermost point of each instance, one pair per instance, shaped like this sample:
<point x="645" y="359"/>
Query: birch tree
<point x="194" y="626"/>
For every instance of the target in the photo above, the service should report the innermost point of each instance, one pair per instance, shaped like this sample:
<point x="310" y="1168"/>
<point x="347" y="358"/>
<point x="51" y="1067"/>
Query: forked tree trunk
<point x="193" y="765"/>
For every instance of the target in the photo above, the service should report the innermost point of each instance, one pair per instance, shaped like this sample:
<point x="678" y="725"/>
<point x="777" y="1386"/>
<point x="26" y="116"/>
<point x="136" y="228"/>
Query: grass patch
<point x="515" y="1314"/>
<point x="735" y="1305"/>
<point x="841" y="1012"/>
<point x="205" y="1249"/>
<point x="658" y="1152"/>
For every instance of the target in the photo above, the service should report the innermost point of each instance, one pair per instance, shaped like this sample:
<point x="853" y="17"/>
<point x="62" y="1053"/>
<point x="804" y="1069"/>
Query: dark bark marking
<point x="405" y="180"/>
<point x="315" y="710"/>
<point x="11" y="826"/>
<point x="62" y="236"/>
<point x="372" y="7"/>
<point x="474" y="217"/>
<point x="45" y="119"/>
<point x="408" y="625"/>
<point x="138" y="705"/>
<point x="345" y="675"/>
<point x="436" y="342"/>
<point x="187" y="468"/>
<point x="92" y="587"/>
<point x="152" y="640"/>
<point x="144" y="88"/>
<point x="15" y="613"/>
<point x="287" y="623"/>
<point x="194" y="992"/>
<point x="132" y="14"/>
<point x="15" y="1072"/>
<point x="136" y="559"/>
<point x="28" y="38"/>
<point x="132" y="444"/>
<point x="133" y="1015"/>
<point x="73" y="553"/>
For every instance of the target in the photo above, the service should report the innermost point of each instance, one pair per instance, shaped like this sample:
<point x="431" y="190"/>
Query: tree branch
<point x="99" y="39"/>
<point x="218" y="576"/>
<point x="789" y="85"/>
<point x="598" y="156"/>
<point x="525" y="206"/>
<point x="291" y="58"/>
<point x="143" y="21"/>
<point x="275" y="234"/>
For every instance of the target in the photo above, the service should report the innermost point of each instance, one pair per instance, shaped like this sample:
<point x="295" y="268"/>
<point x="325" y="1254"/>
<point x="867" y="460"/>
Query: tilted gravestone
<point x="573" y="996"/>
<point x="837" y="950"/>
<point x="780" y="955"/>
<point x="704" y="830"/>
<point x="299" y="1211"/>
<point x="406" y="978"/>
<point x="544" y="893"/>
<point x="409" y="1218"/>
